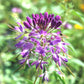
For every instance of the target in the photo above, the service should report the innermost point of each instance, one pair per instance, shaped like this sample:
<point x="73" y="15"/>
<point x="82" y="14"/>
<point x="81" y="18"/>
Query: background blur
<point x="72" y="13"/>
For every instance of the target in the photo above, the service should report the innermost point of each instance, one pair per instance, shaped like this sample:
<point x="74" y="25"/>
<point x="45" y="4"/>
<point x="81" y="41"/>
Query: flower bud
<point x="27" y="25"/>
<point x="29" y="20"/>
<point x="57" y="17"/>
<point x="46" y="15"/>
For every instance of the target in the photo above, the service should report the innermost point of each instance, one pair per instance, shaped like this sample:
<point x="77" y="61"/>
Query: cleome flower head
<point x="39" y="42"/>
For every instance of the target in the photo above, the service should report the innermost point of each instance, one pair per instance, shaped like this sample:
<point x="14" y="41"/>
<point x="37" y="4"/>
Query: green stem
<point x="40" y="81"/>
<point x="36" y="78"/>
<point x="37" y="72"/>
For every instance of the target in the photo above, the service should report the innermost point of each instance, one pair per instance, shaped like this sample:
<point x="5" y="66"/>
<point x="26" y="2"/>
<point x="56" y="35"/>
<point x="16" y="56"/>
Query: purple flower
<point x="45" y="15"/>
<point x="57" y="17"/>
<point x="67" y="25"/>
<point x="28" y="46"/>
<point x="27" y="25"/>
<point x="45" y="76"/>
<point x="29" y="20"/>
<point x="28" y="60"/>
<point x="16" y="10"/>
<point x="40" y="50"/>
<point x="25" y="53"/>
<point x="20" y="28"/>
<point x="40" y="40"/>
<point x="22" y="61"/>
<point x="19" y="44"/>
<point x="39" y="62"/>
<point x="55" y="57"/>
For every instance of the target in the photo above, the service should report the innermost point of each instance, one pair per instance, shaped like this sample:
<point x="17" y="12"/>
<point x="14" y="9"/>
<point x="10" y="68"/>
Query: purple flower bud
<point x="57" y="17"/>
<point x="59" y="62"/>
<point x="19" y="29"/>
<point x="41" y="16"/>
<point x="58" y="24"/>
<point x="52" y="15"/>
<point x="64" y="59"/>
<point x="53" y="23"/>
<point x="55" y="58"/>
<point x="28" y="62"/>
<point x="46" y="15"/>
<point x="37" y="16"/>
<point x="29" y="20"/>
<point x="33" y="16"/>
<point x="34" y="22"/>
<point x="26" y="54"/>
<point x="49" y="15"/>
<point x="68" y="26"/>
<point x="41" y="21"/>
<point x="44" y="22"/>
<point x="47" y="20"/>
<point x="27" y="25"/>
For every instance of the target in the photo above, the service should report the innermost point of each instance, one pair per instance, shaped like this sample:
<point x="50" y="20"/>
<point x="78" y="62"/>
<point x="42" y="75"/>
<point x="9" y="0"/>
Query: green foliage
<point x="58" y="76"/>
<point x="70" y="11"/>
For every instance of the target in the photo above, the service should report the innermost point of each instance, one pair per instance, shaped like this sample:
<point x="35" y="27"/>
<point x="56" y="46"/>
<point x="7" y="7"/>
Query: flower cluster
<point x="39" y="42"/>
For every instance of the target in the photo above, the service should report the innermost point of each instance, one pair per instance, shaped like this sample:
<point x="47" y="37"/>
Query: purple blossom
<point x="67" y="25"/>
<point x="40" y="50"/>
<point x="16" y="10"/>
<point x="39" y="62"/>
<point x="29" y="20"/>
<point x="27" y="25"/>
<point x="55" y="58"/>
<point x="40" y="43"/>
<point x="27" y="46"/>
<point x="57" y="17"/>
<point x="19" y="44"/>
<point x="45" y="76"/>
<point x="20" y="28"/>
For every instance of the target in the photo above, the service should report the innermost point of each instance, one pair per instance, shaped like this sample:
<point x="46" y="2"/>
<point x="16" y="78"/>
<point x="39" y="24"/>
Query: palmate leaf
<point x="58" y="76"/>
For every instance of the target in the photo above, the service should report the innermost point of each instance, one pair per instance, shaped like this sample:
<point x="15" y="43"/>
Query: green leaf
<point x="70" y="47"/>
<point x="58" y="76"/>
<point x="78" y="14"/>
<point x="75" y="22"/>
<point x="29" y="81"/>
<point x="78" y="62"/>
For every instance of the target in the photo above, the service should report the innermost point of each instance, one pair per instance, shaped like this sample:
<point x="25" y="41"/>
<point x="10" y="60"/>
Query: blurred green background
<point x="72" y="13"/>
